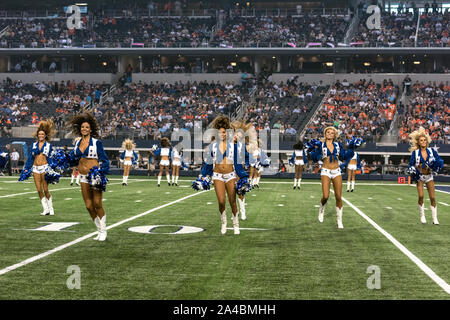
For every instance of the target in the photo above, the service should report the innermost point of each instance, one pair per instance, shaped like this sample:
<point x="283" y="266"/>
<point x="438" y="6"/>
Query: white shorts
<point x="224" y="177"/>
<point x="40" y="169"/>
<point x="164" y="163"/>
<point x="83" y="178"/>
<point x="426" y="178"/>
<point x="176" y="163"/>
<point x="299" y="162"/>
<point x="352" y="167"/>
<point x="330" y="173"/>
<point x="127" y="163"/>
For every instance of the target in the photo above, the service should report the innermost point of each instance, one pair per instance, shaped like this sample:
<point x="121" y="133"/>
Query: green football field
<point x="282" y="253"/>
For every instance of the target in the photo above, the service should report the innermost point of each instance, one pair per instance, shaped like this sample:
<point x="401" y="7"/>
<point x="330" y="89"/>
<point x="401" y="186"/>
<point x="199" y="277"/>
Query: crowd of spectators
<point x="282" y="31"/>
<point x="397" y="30"/>
<point x="283" y="106"/>
<point x="434" y="30"/>
<point x="149" y="111"/>
<point x="26" y="104"/>
<point x="364" y="109"/>
<point x="429" y="107"/>
<point x="157" y="109"/>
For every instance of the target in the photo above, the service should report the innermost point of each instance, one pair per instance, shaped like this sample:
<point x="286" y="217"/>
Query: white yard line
<point x="427" y="270"/>
<point x="90" y="235"/>
<point x="51" y="190"/>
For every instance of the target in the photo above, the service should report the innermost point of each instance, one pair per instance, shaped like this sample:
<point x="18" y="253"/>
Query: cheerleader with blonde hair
<point x="128" y="157"/>
<point x="329" y="152"/>
<point x="423" y="163"/>
<point x="247" y="131"/>
<point x="39" y="164"/>
<point x="258" y="160"/>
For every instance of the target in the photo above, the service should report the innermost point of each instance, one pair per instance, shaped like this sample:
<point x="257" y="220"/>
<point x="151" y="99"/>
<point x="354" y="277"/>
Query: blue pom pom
<point x="437" y="166"/>
<point x="414" y="173"/>
<point x="201" y="184"/>
<point x="60" y="160"/>
<point x="51" y="176"/>
<point x="313" y="144"/>
<point x="243" y="186"/>
<point x="3" y="160"/>
<point x="25" y="174"/>
<point x="355" y="142"/>
<point x="97" y="179"/>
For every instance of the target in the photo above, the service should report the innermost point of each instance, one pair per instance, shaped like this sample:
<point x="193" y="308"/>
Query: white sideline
<point x="51" y="190"/>
<point x="430" y="273"/>
<point x="90" y="235"/>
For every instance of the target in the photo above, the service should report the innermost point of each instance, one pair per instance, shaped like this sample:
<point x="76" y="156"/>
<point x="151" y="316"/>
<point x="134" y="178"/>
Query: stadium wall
<point x="330" y="78"/>
<point x="326" y="78"/>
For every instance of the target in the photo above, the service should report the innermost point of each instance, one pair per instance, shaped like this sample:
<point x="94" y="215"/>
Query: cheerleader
<point x="39" y="162"/>
<point x="75" y="173"/>
<point x="223" y="162"/>
<point x="299" y="159"/>
<point x="423" y="163"/>
<point x="128" y="157"/>
<point x="164" y="152"/>
<point x="177" y="160"/>
<point x="353" y="164"/>
<point x="330" y="152"/>
<point x="87" y="154"/>
<point x="258" y="160"/>
<point x="248" y="132"/>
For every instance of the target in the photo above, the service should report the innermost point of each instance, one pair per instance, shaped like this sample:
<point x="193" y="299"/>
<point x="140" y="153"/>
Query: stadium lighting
<point x="416" y="62"/>
<point x="233" y="64"/>
<point x="367" y="64"/>
<point x="273" y="57"/>
<point x="81" y="4"/>
<point x="329" y="64"/>
<point x="104" y="63"/>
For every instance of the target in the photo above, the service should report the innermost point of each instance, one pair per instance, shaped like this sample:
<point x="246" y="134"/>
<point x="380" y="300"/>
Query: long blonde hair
<point x="336" y="134"/>
<point x="415" y="136"/>
<point x="251" y="136"/>
<point x="128" y="144"/>
<point x="48" y="127"/>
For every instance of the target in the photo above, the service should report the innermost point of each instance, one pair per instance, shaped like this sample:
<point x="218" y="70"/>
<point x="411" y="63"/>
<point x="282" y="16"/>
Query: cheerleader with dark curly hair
<point x="299" y="160"/>
<point x="39" y="164"/>
<point x="87" y="154"/>
<point x="223" y="161"/>
<point x="164" y="152"/>
<point x="423" y="163"/>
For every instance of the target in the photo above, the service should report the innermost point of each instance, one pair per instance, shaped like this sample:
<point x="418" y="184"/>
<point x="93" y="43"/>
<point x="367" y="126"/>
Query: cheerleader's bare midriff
<point x="223" y="168"/>
<point x="86" y="164"/>
<point x="40" y="160"/>
<point x="330" y="165"/>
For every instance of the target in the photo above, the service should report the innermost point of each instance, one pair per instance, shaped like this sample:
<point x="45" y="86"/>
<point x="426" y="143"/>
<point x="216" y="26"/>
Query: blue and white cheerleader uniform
<point x="46" y="150"/>
<point x="129" y="154"/>
<point x="235" y="153"/>
<point x="354" y="166"/>
<point x="176" y="157"/>
<point x="163" y="152"/>
<point x="417" y="161"/>
<point x="339" y="154"/>
<point x="93" y="151"/>
<point x="299" y="162"/>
